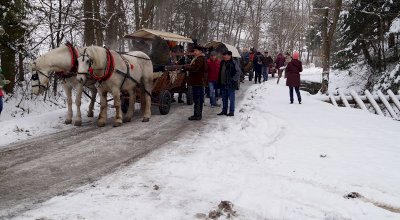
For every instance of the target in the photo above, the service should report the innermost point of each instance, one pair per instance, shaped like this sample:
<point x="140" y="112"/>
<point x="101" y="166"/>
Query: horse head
<point x="85" y="64"/>
<point x="40" y="77"/>
<point x="54" y="61"/>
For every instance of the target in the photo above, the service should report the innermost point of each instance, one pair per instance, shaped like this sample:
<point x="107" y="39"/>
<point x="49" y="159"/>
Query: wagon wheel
<point x="189" y="95"/>
<point x="165" y="102"/>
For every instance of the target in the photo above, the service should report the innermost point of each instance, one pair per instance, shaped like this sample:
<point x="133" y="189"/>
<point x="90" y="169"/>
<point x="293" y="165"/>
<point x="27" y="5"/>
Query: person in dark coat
<point x="196" y="79"/>
<point x="279" y="65"/>
<point x="213" y="71"/>
<point x="267" y="62"/>
<point x="228" y="80"/>
<point x="258" y="65"/>
<point x="293" y="70"/>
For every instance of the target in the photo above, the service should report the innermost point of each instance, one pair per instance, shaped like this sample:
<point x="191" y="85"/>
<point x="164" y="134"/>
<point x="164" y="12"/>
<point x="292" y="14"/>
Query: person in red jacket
<point x="279" y="65"/>
<point x="213" y="64"/>
<point x="293" y="70"/>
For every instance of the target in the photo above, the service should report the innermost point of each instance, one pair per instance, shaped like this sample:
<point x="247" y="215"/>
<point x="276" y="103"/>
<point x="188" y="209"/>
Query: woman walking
<point x="293" y="70"/>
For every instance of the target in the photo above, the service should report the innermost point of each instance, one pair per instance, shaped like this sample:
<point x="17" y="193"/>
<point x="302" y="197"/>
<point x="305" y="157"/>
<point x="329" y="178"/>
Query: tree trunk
<point x="327" y="37"/>
<point x="8" y="65"/>
<point x="97" y="23"/>
<point x="89" y="27"/>
<point x="112" y="26"/>
<point x="257" y="25"/>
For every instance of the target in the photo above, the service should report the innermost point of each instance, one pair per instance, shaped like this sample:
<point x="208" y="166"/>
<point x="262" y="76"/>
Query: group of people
<point x="263" y="64"/>
<point x="225" y="75"/>
<point x="222" y="74"/>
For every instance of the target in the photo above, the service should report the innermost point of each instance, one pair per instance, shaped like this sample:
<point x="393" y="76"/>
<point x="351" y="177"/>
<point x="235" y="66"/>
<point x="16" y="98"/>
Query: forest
<point x="328" y="33"/>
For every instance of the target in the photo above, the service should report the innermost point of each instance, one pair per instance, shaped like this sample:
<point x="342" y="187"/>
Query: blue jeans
<point x="198" y="99"/>
<point x="212" y="85"/>
<point x="265" y="71"/>
<point x="1" y="104"/>
<point x="228" y="95"/>
<point x="297" y="89"/>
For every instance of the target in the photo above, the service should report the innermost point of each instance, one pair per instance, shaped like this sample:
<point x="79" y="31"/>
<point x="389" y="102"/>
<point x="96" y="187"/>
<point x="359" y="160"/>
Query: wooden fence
<point x="378" y="100"/>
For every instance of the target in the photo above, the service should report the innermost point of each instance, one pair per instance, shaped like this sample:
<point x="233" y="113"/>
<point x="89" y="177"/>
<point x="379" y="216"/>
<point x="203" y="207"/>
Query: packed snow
<point x="272" y="160"/>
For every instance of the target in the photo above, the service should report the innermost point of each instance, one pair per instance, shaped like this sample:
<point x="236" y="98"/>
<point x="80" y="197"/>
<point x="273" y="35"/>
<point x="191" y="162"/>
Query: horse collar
<point x="74" y="58"/>
<point x="108" y="69"/>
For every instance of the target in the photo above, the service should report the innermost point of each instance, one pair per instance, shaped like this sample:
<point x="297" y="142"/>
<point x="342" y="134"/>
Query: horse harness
<point x="74" y="63"/>
<point x="63" y="75"/>
<point x="110" y="67"/>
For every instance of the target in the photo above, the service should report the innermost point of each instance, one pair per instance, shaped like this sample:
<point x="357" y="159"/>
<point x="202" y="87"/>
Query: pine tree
<point x="12" y="20"/>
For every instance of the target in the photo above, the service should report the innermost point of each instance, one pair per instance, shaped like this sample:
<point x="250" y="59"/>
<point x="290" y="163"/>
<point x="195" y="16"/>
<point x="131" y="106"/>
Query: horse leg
<point x="147" y="102"/>
<point x="131" y="109"/>
<point x="68" y="92"/>
<point x="103" y="109"/>
<point x="78" y="102"/>
<point x="117" y="104"/>
<point x="92" y="102"/>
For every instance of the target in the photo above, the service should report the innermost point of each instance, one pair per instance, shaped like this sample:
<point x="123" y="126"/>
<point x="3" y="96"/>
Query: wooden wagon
<point x="169" y="77"/>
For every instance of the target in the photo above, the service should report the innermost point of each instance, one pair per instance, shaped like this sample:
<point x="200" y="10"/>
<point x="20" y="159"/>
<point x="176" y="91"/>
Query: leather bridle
<point x="35" y="77"/>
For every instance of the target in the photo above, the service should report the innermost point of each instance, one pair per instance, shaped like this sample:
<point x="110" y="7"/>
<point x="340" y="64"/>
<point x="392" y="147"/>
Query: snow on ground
<point x="272" y="161"/>
<point x="353" y="78"/>
<point x="33" y="118"/>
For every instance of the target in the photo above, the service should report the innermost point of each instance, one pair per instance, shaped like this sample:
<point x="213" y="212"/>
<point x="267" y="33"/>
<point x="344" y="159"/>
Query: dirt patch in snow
<point x="224" y="209"/>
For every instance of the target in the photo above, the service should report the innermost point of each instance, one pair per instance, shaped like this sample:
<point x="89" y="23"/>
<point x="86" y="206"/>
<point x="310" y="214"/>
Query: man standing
<point x="267" y="62"/>
<point x="228" y="82"/>
<point x="280" y="65"/>
<point x="197" y="70"/>
<point x="258" y="66"/>
<point x="213" y="72"/>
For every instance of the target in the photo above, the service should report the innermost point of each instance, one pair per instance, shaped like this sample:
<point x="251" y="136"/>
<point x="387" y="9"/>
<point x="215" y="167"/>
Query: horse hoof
<point x="117" y="124"/>
<point x="68" y="121"/>
<point x="90" y="114"/>
<point x="146" y="120"/>
<point x="78" y="123"/>
<point x="127" y="120"/>
<point x="101" y="124"/>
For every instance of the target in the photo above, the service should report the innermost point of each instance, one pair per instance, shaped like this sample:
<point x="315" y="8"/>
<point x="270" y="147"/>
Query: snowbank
<point x="272" y="161"/>
<point x="395" y="27"/>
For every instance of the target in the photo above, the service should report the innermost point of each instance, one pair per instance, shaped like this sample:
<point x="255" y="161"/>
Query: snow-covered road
<point x="271" y="161"/>
<point x="54" y="164"/>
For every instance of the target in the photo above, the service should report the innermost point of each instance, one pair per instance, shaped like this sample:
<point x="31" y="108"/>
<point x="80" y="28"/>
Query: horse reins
<point x="35" y="77"/>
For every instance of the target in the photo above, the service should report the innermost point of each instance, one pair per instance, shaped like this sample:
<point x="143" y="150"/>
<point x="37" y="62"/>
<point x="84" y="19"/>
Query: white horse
<point x="114" y="73"/>
<point x="62" y="60"/>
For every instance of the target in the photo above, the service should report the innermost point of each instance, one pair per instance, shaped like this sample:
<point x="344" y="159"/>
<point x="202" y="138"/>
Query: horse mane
<point x="98" y="55"/>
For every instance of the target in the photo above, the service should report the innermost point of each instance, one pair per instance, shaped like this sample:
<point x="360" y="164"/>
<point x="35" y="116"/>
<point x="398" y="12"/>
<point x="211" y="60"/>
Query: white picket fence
<point x="389" y="101"/>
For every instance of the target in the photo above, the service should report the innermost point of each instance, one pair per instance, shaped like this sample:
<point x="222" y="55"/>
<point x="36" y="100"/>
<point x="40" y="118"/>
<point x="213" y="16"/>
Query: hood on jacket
<point x="297" y="64"/>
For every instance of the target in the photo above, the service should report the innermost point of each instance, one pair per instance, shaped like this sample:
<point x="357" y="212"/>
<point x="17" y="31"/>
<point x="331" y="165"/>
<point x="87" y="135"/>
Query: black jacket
<point x="232" y="75"/>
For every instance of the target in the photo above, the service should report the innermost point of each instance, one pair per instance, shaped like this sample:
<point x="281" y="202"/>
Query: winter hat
<point x="197" y="48"/>
<point x="227" y="53"/>
<point x="296" y="55"/>
<point x="213" y="53"/>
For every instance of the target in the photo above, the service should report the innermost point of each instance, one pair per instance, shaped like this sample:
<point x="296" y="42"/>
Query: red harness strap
<point x="109" y="69"/>
<point x="74" y="57"/>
